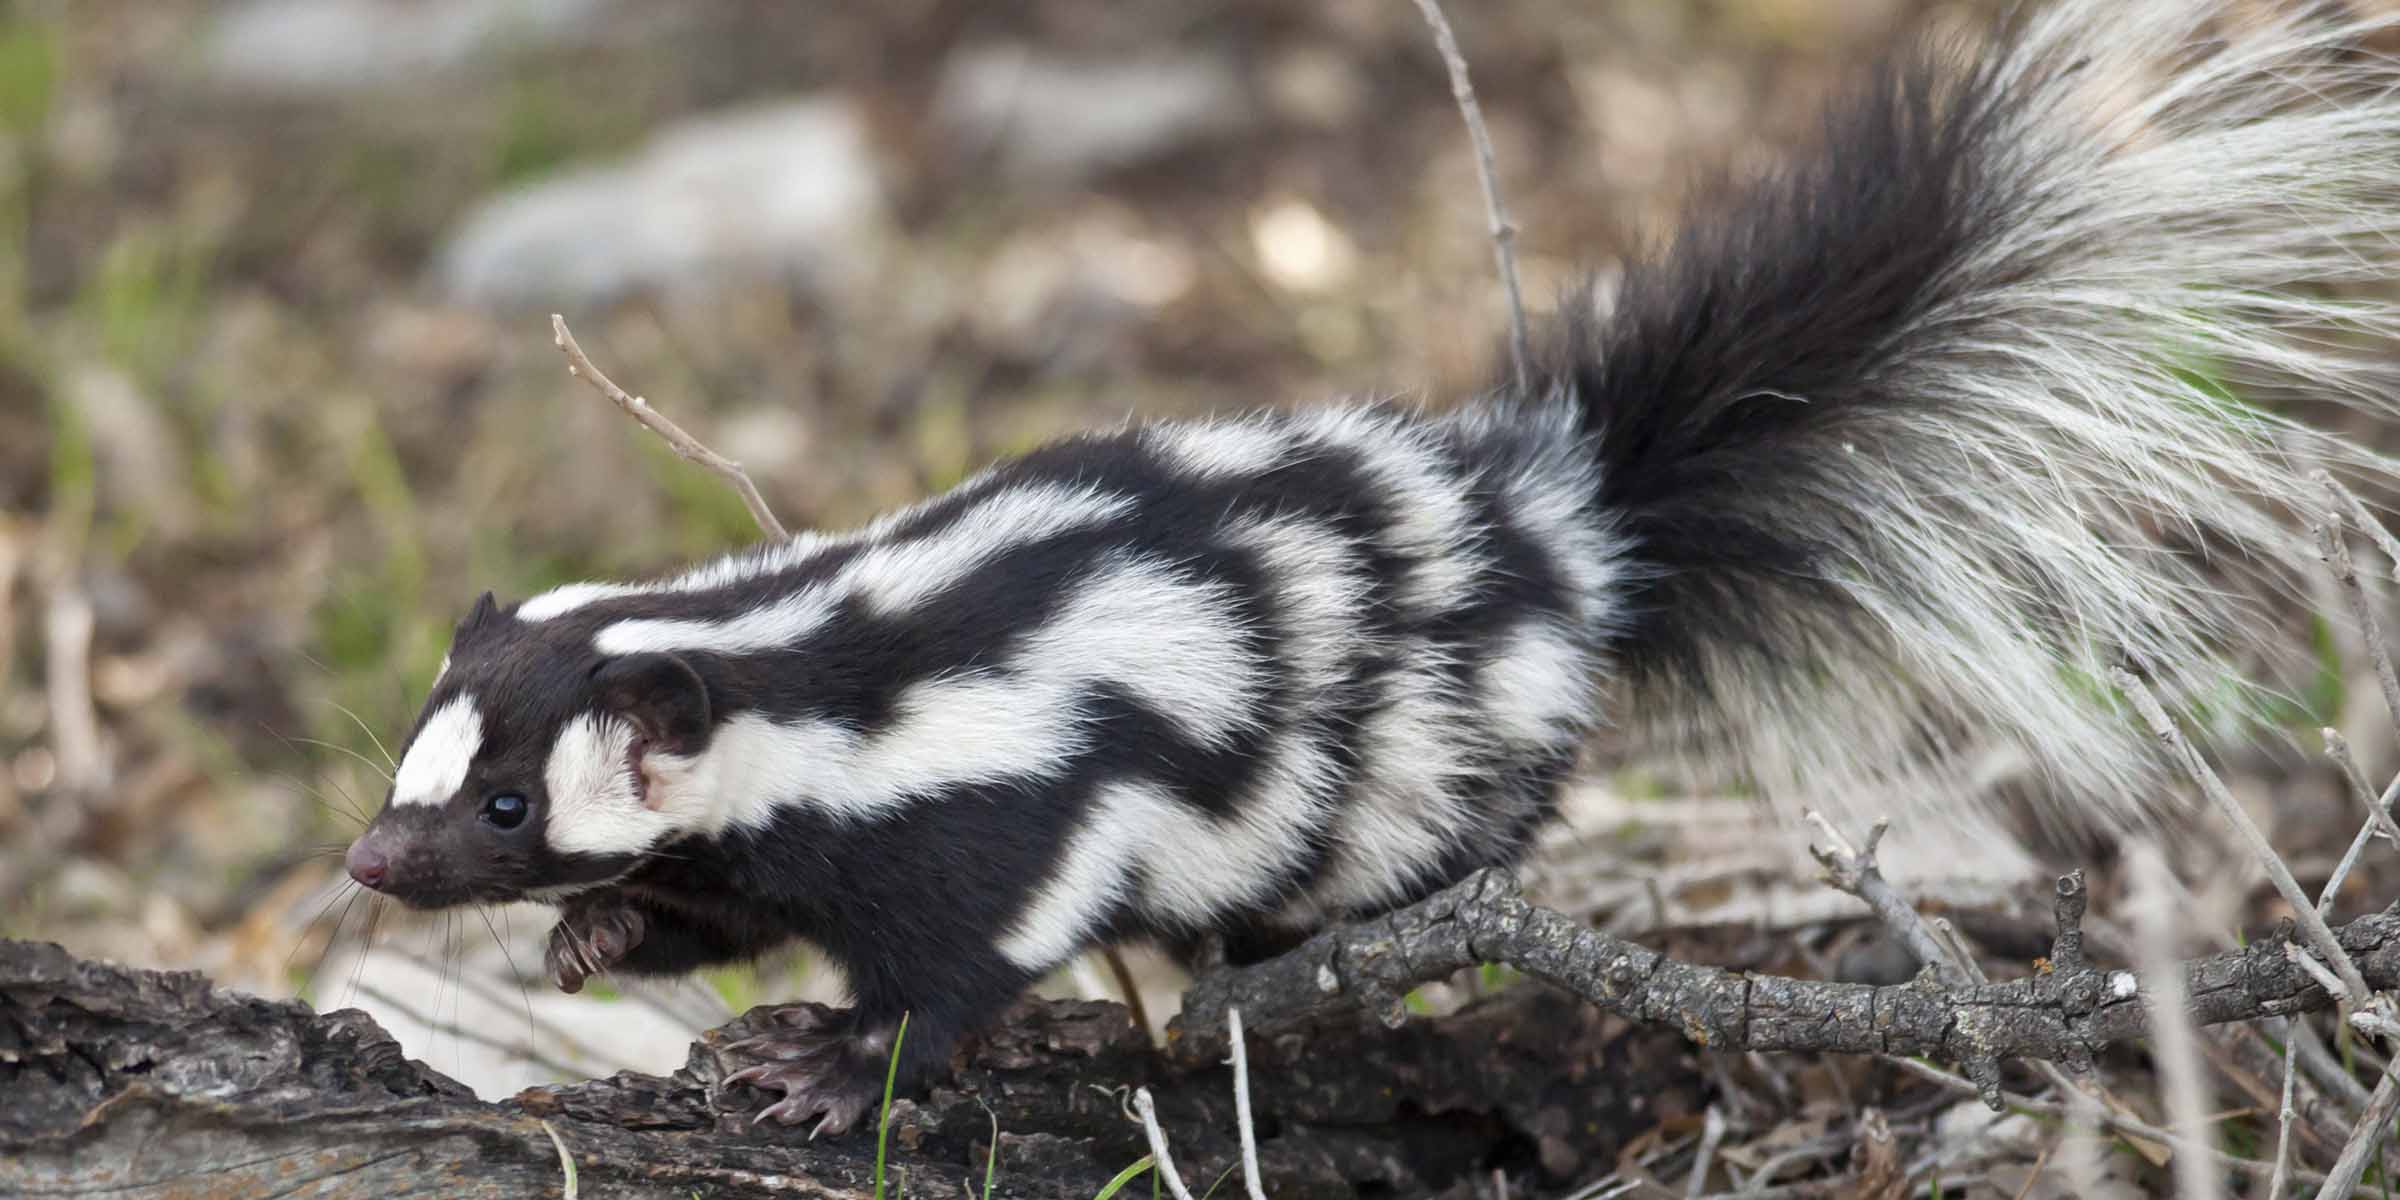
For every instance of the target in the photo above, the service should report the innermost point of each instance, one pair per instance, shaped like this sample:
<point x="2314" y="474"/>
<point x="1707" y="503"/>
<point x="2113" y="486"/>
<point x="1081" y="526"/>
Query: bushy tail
<point x="1991" y="391"/>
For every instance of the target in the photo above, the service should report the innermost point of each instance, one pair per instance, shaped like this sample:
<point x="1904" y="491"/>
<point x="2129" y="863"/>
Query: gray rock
<point x="1058" y="120"/>
<point x="338" y="45"/>
<point x="786" y="190"/>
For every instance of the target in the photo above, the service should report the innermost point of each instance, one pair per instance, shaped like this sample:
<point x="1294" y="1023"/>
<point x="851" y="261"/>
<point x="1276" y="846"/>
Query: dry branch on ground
<point x="149" y="1083"/>
<point x="2064" y="1014"/>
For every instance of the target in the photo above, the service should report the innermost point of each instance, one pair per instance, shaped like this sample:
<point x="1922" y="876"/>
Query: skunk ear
<point x="482" y="617"/>
<point x="661" y="694"/>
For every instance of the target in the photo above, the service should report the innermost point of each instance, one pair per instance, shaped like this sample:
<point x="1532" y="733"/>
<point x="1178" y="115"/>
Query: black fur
<point x="1739" y="358"/>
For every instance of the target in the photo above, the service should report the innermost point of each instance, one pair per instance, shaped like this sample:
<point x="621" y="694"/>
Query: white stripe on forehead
<point x="559" y="601"/>
<point x="436" y="762"/>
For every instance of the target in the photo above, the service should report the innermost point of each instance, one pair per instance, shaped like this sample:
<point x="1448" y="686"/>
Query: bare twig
<point x="2066" y="911"/>
<point x="683" y="444"/>
<point x="1855" y="872"/>
<point x="2379" y="819"/>
<point x="2062" y="1015"/>
<point x="2336" y="553"/>
<point x="2176" y="1042"/>
<point x="2312" y="926"/>
<point x="2326" y="979"/>
<point x="1160" y="1160"/>
<point x="2329" y="1073"/>
<point x="2347" y="504"/>
<point x="1241" y="1103"/>
<point x="74" y="724"/>
<point x="2102" y="1117"/>
<point x="2284" y="1116"/>
<point x="2365" y="1140"/>
<point x="1504" y="234"/>
<point x="12" y="553"/>
<point x="1131" y="990"/>
<point x="2369" y="1021"/>
<point x="1712" y="1132"/>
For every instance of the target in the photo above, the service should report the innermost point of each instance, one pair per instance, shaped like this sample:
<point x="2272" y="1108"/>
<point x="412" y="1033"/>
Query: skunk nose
<point x="367" y="861"/>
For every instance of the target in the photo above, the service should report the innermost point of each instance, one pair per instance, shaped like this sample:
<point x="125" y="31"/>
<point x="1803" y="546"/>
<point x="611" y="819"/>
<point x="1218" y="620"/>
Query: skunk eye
<point x="505" y="810"/>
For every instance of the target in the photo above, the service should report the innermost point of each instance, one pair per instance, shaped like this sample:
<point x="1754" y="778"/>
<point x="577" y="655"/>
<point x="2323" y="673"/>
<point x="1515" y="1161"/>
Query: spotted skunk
<point x="1890" y="453"/>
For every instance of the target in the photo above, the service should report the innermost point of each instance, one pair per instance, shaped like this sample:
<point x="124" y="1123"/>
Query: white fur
<point x="766" y="628"/>
<point x="1213" y="449"/>
<point x="595" y="807"/>
<point x="436" y="762"/>
<point x="1539" y="687"/>
<point x="900" y="575"/>
<point x="1408" y="809"/>
<point x="945" y="733"/>
<point x="1434" y="527"/>
<point x="749" y="564"/>
<point x="1091" y="879"/>
<point x="559" y="601"/>
<point x="1199" y="866"/>
<point x="2175" y="168"/>
<point x="1321" y="588"/>
<point x="1168" y="639"/>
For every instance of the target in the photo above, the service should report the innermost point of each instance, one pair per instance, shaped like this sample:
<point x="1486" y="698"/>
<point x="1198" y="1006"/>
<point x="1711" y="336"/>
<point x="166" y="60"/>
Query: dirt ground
<point x="278" y="399"/>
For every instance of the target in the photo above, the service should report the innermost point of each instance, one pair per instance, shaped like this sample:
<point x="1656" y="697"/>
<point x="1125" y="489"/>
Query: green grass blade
<point x="1124" y="1177"/>
<point x="991" y="1156"/>
<point x="883" y="1123"/>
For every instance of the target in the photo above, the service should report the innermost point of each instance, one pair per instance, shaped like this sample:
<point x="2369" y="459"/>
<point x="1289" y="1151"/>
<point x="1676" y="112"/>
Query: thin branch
<point x="1160" y="1160"/>
<point x="1504" y="233"/>
<point x="2284" y="1118"/>
<point x="2096" y="1115"/>
<point x="2366" y="521"/>
<point x="2365" y="1140"/>
<point x="2336" y="553"/>
<point x="74" y="722"/>
<point x="2379" y="819"/>
<point x="2316" y="970"/>
<point x="1241" y="1103"/>
<point x="2342" y="1089"/>
<point x="1855" y="872"/>
<point x="2064" y="1015"/>
<point x="1712" y="1132"/>
<point x="1131" y="990"/>
<point x="2320" y="937"/>
<point x="683" y="444"/>
<point x="12" y="553"/>
<point x="2176" y="1044"/>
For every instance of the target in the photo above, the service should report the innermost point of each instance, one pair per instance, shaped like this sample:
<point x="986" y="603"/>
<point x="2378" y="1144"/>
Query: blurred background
<point x="278" y="397"/>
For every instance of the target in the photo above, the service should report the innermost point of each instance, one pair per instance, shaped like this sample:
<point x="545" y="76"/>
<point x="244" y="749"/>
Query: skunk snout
<point x="368" y="861"/>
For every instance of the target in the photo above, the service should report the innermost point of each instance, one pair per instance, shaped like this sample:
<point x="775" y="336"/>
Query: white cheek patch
<point x="595" y="807"/>
<point x="436" y="762"/>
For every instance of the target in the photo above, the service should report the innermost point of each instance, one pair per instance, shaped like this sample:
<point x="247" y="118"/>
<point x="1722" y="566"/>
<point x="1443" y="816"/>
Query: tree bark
<point x="146" y="1084"/>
